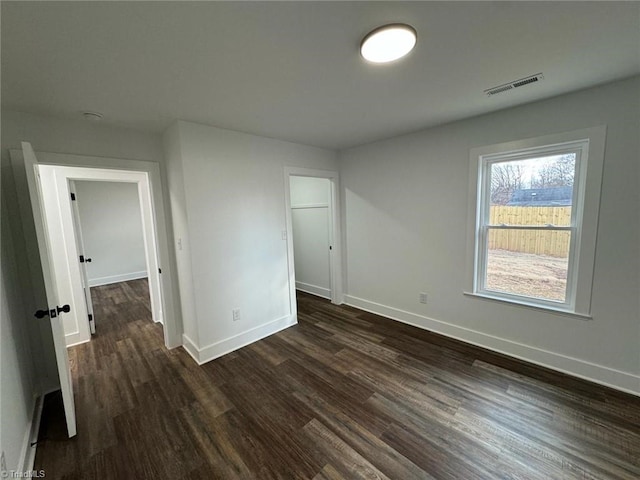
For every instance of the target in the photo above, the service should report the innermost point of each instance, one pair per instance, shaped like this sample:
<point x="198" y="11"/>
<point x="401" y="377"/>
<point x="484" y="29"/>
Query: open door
<point x="83" y="259"/>
<point x="55" y="305"/>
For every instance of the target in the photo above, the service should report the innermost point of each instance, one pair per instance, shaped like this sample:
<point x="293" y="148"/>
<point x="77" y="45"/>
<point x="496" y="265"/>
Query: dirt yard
<point x="527" y="274"/>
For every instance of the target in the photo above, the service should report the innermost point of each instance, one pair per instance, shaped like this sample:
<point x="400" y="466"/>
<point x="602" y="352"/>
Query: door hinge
<point x="90" y="317"/>
<point x="159" y="270"/>
<point x="73" y="197"/>
<point x="81" y="258"/>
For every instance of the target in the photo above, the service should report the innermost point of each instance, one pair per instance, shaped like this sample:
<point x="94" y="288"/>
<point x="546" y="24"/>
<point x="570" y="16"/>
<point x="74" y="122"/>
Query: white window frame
<point x="588" y="144"/>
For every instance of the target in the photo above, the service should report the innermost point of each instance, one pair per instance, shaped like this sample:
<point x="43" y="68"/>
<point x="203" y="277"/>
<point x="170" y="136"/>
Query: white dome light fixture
<point x="388" y="43"/>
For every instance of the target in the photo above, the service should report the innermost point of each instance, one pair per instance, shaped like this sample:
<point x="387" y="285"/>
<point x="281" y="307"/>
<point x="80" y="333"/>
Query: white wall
<point x="227" y="191"/>
<point x="310" y="221"/>
<point x="111" y="225"/>
<point x="17" y="370"/>
<point x="405" y="211"/>
<point x="178" y="202"/>
<point x="51" y="134"/>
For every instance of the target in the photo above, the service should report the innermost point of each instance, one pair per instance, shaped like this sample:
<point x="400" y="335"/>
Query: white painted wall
<point x="405" y="211"/>
<point x="181" y="243"/>
<point x="227" y="192"/>
<point x="111" y="225"/>
<point x="311" y="221"/>
<point x="17" y="370"/>
<point x="51" y="134"/>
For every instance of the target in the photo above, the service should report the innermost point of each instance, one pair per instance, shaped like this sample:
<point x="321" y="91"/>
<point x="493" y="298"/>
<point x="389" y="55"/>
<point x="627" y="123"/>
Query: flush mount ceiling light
<point x="388" y="43"/>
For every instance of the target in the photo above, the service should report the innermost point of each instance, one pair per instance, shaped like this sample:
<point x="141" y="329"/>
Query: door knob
<point x="53" y="312"/>
<point x="41" y="313"/>
<point x="63" y="309"/>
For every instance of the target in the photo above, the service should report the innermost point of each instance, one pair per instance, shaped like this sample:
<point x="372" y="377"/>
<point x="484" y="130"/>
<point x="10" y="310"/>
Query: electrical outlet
<point x="423" y="297"/>
<point x="236" y="314"/>
<point x="3" y="463"/>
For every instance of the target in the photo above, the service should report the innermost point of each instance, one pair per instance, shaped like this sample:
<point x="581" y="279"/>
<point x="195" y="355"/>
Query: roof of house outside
<point x="542" y="197"/>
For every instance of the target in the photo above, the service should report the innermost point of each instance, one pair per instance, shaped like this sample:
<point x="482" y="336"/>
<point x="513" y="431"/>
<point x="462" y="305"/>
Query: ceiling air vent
<point x="515" y="84"/>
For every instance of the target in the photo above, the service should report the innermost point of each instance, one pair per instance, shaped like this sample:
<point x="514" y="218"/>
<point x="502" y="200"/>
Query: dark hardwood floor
<point x="344" y="394"/>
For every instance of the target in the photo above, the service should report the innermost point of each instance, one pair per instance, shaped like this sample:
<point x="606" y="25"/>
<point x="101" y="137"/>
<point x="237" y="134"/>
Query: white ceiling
<point x="292" y="70"/>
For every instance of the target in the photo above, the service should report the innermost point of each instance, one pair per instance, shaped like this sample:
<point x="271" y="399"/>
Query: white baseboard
<point x="191" y="348"/>
<point x="619" y="380"/>
<point x="218" y="349"/>
<point x="28" y="450"/>
<point x="125" y="277"/>
<point x="314" y="290"/>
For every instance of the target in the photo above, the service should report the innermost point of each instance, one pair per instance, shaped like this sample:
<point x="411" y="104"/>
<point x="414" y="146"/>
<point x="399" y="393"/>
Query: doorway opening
<point x="313" y="234"/>
<point x="109" y="235"/>
<point x="63" y="210"/>
<point x="311" y="212"/>
<point x="150" y="188"/>
<point x="48" y="199"/>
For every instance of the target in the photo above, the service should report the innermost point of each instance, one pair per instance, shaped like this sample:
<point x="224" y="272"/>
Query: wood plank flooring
<point x="344" y="394"/>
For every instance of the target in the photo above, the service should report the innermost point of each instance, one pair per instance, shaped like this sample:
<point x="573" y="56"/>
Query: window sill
<point x="531" y="306"/>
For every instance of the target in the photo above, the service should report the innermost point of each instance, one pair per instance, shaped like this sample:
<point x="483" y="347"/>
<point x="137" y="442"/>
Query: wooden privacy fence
<point x="539" y="242"/>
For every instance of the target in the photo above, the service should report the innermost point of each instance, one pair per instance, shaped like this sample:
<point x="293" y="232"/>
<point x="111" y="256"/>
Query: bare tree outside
<point x="506" y="178"/>
<point x="558" y="173"/>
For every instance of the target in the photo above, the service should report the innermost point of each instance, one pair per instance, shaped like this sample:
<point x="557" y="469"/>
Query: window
<point x="531" y="207"/>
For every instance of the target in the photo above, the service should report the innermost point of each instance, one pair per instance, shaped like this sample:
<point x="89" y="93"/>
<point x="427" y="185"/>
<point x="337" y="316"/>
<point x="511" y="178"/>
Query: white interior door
<point x="84" y="258"/>
<point x="55" y="305"/>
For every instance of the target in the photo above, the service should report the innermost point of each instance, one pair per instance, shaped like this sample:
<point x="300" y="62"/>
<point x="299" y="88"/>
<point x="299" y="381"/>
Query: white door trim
<point x="335" y="254"/>
<point x="165" y="259"/>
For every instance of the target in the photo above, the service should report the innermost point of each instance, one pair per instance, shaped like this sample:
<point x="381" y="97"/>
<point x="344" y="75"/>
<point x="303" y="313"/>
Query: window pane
<point x="532" y="263"/>
<point x="536" y="191"/>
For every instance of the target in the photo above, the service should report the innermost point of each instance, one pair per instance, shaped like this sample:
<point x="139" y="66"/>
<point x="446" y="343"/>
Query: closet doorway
<point x="314" y="233"/>
<point x="311" y="212"/>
